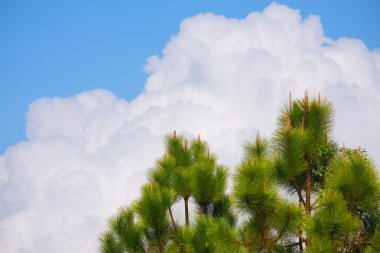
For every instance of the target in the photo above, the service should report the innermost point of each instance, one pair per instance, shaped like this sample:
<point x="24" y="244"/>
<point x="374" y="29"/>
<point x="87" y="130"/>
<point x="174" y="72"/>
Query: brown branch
<point x="186" y="199"/>
<point x="283" y="228"/>
<point x="292" y="245"/>
<point x="300" y="236"/>
<point x="354" y="191"/>
<point x="172" y="219"/>
<point x="308" y="191"/>
<point x="314" y="205"/>
<point x="298" y="191"/>
<point x="288" y="126"/>
<point x="257" y="215"/>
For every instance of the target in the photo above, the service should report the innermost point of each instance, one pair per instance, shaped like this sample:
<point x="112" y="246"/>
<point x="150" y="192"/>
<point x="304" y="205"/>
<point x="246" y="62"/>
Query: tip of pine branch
<point x="319" y="99"/>
<point x="174" y="134"/>
<point x="186" y="144"/>
<point x="344" y="152"/>
<point x="288" y="123"/>
<point x="257" y="137"/>
<point x="306" y="96"/>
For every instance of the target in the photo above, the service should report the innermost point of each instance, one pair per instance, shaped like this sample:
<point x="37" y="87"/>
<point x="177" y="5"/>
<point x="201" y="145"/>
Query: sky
<point x="90" y="89"/>
<point x="60" y="48"/>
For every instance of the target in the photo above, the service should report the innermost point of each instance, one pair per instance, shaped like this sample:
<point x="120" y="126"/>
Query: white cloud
<point x="222" y="78"/>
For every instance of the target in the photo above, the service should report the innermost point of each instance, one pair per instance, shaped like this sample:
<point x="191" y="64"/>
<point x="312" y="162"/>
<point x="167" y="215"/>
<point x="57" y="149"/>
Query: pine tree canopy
<point x="294" y="192"/>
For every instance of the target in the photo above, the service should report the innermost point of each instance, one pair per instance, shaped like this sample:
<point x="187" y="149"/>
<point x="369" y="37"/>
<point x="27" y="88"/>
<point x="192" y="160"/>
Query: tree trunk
<point x="186" y="199"/>
<point x="160" y="241"/>
<point x="204" y="208"/>
<point x="300" y="231"/>
<point x="171" y="218"/>
<point x="308" y="192"/>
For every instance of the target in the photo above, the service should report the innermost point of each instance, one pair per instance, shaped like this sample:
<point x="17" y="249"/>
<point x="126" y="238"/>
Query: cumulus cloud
<point x="222" y="78"/>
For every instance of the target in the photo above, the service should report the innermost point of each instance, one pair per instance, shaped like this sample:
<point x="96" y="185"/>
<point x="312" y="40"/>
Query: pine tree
<point x="297" y="192"/>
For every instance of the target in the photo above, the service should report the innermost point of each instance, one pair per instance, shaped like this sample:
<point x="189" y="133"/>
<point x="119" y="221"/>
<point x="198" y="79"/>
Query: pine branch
<point x="303" y="238"/>
<point x="308" y="191"/>
<point x="291" y="165"/>
<point x="186" y="199"/>
<point x="314" y="205"/>
<point x="292" y="245"/>
<point x="172" y="219"/>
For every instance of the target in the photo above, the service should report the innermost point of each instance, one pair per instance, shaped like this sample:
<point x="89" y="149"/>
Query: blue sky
<point x="60" y="48"/>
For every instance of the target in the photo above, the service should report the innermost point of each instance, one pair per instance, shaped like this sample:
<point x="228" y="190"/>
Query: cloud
<point x="222" y="78"/>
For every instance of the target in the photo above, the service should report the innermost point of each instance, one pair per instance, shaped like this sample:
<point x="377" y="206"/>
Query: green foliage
<point x="208" y="183"/>
<point x="355" y="177"/>
<point x="152" y="210"/>
<point x="181" y="241"/>
<point x="254" y="190"/>
<point x="128" y="234"/>
<point x="201" y="241"/>
<point x="270" y="218"/>
<point x="332" y="221"/>
<point x="153" y="205"/>
<point x="108" y="243"/>
<point x="297" y="192"/>
<point x="289" y="219"/>
<point x="326" y="154"/>
<point x="225" y="237"/>
<point x="290" y="162"/>
<point x="223" y="209"/>
<point x="320" y="245"/>
<point x="256" y="148"/>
